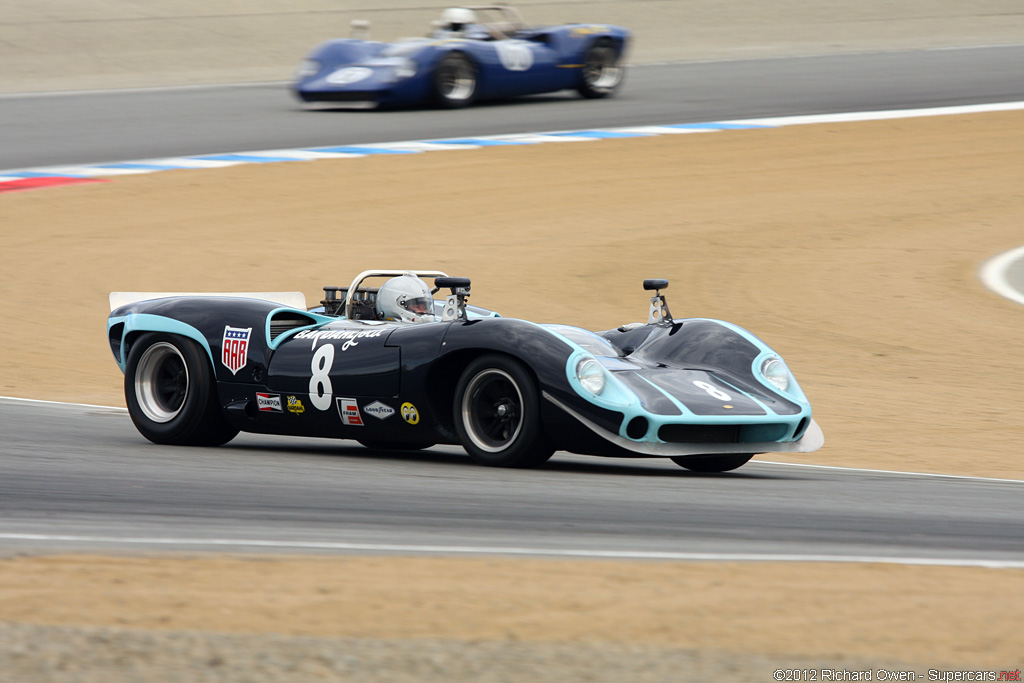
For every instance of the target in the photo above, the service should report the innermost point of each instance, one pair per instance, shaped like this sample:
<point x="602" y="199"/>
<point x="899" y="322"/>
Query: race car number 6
<point x="320" y="388"/>
<point x="712" y="391"/>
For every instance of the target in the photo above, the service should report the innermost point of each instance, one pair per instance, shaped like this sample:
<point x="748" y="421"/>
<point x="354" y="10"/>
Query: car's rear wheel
<point x="497" y="414"/>
<point x="455" y="81"/>
<point x="601" y="74"/>
<point x="713" y="463"/>
<point x="171" y="393"/>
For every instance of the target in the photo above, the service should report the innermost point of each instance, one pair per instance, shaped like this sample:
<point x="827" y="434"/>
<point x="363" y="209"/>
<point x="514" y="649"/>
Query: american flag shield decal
<point x="235" y="349"/>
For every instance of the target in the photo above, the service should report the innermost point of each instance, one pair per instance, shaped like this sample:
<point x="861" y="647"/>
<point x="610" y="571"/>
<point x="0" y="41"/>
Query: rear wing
<point x="290" y="299"/>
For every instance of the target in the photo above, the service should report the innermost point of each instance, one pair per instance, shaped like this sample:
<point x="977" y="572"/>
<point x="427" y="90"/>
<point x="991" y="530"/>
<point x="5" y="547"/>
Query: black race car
<point x="199" y="368"/>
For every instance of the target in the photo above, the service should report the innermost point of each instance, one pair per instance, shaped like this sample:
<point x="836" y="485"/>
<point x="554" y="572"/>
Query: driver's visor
<point x="419" y="306"/>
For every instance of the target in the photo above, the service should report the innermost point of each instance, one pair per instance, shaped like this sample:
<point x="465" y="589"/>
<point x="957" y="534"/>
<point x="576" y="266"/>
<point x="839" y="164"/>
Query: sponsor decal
<point x="295" y="405"/>
<point x="268" y="403"/>
<point x="410" y="414"/>
<point x="235" y="347"/>
<point x="350" y="337"/>
<point x="348" y="409"/>
<point x="379" y="410"/>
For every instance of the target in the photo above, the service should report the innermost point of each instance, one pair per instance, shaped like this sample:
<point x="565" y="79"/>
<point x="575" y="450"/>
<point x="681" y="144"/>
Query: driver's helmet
<point x="405" y="298"/>
<point x="456" y="19"/>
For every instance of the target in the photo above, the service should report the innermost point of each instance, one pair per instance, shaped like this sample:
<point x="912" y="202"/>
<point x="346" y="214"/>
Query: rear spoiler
<point x="289" y="299"/>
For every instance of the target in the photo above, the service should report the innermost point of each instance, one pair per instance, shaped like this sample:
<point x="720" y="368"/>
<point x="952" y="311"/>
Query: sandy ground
<point x="82" y="44"/>
<point x="852" y="248"/>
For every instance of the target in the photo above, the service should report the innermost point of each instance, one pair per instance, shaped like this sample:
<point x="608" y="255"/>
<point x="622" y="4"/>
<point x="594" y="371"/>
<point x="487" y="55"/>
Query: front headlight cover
<point x="776" y="372"/>
<point x="591" y="375"/>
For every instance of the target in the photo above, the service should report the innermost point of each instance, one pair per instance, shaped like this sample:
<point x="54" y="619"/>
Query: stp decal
<point x="235" y="347"/>
<point x="410" y="414"/>
<point x="268" y="403"/>
<point x="379" y="410"/>
<point x="349" y="411"/>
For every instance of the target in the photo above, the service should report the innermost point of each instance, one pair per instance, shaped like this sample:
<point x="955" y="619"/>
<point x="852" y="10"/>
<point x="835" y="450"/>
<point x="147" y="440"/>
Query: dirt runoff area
<point x="853" y="249"/>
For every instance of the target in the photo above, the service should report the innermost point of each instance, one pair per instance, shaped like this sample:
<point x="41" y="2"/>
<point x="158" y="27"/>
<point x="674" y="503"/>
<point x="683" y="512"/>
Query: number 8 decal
<point x="320" y="389"/>
<point x="711" y="389"/>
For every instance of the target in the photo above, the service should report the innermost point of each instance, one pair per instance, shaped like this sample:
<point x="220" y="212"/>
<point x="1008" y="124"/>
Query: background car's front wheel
<point x="713" y="463"/>
<point x="601" y="74"/>
<point x="497" y="414"/>
<point x="455" y="81"/>
<point x="171" y="392"/>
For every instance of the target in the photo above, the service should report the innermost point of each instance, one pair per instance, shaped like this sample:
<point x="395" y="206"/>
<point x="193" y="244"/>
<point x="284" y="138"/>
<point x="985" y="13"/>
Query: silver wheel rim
<point x="600" y="72"/>
<point x="492" y="410"/>
<point x="457" y="81"/>
<point x="161" y="382"/>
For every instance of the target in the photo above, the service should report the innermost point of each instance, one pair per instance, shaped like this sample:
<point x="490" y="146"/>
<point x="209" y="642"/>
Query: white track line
<point x="906" y="474"/>
<point x="61" y="403"/>
<point x="519" y="551"/>
<point x="993" y="275"/>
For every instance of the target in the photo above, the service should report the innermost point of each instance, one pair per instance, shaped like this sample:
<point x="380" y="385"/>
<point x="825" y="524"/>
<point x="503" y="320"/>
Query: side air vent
<point x="286" y="321"/>
<point x="114" y="335"/>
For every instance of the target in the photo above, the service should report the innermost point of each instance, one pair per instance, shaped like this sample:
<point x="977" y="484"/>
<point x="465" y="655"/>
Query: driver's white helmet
<point x="456" y="18"/>
<point x="405" y="298"/>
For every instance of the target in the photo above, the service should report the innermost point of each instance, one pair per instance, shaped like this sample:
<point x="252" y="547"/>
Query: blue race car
<point x="472" y="53"/>
<point x="392" y="368"/>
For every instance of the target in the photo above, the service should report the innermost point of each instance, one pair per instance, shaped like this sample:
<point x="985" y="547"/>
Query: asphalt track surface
<point x="79" y="477"/>
<point x="82" y="477"/>
<point x="110" y="126"/>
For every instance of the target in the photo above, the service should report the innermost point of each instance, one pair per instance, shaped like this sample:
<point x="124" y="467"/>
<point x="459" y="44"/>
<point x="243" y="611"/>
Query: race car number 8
<point x="320" y="389"/>
<point x="713" y="391"/>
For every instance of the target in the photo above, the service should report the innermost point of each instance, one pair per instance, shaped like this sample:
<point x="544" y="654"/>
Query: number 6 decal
<point x="320" y="389"/>
<point x="712" y="391"/>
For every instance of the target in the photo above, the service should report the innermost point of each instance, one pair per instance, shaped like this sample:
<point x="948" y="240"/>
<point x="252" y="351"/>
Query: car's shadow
<point x="647" y="467"/>
<point x="372" y="108"/>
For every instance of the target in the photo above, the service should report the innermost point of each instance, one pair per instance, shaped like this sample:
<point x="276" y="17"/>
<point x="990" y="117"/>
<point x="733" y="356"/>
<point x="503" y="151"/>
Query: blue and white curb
<point x="353" y="151"/>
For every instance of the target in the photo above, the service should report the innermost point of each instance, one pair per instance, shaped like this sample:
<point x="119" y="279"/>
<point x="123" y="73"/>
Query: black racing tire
<point x="713" y="463"/>
<point x="171" y="392"/>
<point x="392" y="445"/>
<point x="601" y="74"/>
<point x="455" y="81"/>
<point x="497" y="414"/>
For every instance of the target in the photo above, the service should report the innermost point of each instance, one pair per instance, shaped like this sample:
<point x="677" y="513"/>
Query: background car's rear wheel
<point x="171" y="393"/>
<point x="713" y="463"/>
<point x="601" y="74"/>
<point x="497" y="414"/>
<point x="455" y="80"/>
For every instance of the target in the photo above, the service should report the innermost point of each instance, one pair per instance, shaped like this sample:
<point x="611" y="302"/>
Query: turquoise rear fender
<point x="134" y="323"/>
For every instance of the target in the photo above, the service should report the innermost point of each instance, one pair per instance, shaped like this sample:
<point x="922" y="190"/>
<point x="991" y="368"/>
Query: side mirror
<point x="455" y="304"/>
<point x="659" y="306"/>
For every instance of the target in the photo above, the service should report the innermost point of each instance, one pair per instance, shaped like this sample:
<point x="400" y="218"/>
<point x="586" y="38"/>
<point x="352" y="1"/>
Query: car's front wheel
<point x="601" y="74"/>
<point x="171" y="392"/>
<point x="497" y="414"/>
<point x="713" y="463"/>
<point x="455" y="80"/>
